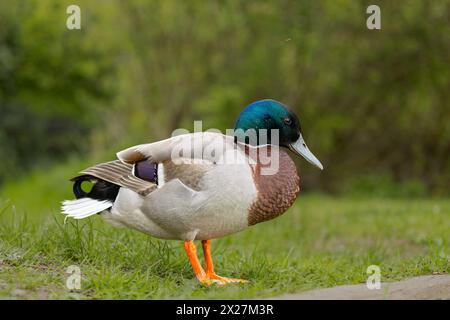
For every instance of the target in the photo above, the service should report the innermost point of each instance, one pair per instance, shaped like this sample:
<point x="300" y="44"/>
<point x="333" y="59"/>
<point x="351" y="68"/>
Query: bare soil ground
<point x="424" y="287"/>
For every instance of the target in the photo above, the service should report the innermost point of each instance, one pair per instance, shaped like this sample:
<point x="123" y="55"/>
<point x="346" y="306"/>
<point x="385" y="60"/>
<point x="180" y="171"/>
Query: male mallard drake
<point x="200" y="186"/>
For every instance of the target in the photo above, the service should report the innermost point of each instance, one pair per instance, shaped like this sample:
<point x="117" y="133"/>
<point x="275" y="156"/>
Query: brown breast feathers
<point x="277" y="191"/>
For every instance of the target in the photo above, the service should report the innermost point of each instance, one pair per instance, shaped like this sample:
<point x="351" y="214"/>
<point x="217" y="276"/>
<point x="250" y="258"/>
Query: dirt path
<point x="425" y="287"/>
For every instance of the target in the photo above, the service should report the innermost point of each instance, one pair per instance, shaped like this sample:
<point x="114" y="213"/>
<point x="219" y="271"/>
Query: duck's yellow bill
<point x="299" y="147"/>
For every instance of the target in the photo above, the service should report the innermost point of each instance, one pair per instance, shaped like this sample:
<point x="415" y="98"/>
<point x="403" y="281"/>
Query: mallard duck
<point x="200" y="186"/>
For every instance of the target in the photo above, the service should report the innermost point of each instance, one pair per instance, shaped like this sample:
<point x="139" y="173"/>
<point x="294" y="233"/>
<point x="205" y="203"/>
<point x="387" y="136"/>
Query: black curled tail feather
<point x="101" y="190"/>
<point x="77" y="190"/>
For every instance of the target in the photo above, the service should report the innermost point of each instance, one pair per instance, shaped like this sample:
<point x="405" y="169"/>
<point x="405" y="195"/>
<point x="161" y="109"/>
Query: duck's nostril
<point x="304" y="144"/>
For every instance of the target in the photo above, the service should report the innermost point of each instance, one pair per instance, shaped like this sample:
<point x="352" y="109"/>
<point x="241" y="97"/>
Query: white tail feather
<point x="84" y="207"/>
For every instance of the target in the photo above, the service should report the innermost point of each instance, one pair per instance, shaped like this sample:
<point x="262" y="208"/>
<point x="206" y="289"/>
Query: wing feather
<point x="120" y="174"/>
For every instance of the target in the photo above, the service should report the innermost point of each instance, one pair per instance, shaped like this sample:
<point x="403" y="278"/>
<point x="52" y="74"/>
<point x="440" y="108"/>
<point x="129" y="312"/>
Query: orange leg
<point x="191" y="251"/>
<point x="210" y="274"/>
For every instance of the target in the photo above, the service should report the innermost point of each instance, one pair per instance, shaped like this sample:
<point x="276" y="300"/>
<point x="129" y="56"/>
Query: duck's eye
<point x="288" y="121"/>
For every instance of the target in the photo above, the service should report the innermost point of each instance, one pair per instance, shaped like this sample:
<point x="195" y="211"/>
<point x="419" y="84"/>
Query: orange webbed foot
<point x="224" y="280"/>
<point x="208" y="277"/>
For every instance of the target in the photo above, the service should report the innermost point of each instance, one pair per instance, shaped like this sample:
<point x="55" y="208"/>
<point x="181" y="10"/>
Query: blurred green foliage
<point x="374" y="105"/>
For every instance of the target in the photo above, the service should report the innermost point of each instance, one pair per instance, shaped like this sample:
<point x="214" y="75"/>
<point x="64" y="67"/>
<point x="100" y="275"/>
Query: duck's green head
<point x="271" y="115"/>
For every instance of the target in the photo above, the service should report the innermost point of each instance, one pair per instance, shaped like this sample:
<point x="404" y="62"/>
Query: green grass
<point x="321" y="241"/>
